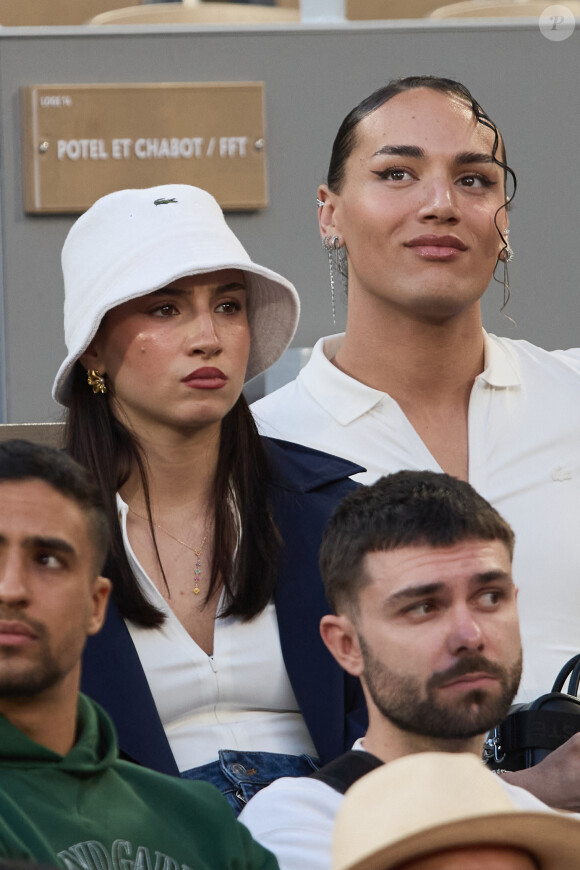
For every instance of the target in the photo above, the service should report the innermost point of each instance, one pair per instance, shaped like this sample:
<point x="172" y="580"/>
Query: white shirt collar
<point x="343" y="397"/>
<point x="501" y="365"/>
<point x="346" y="399"/>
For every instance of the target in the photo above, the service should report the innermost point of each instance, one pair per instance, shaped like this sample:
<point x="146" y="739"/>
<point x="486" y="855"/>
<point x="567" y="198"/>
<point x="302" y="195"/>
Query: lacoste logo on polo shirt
<point x="164" y="201"/>
<point x="559" y="474"/>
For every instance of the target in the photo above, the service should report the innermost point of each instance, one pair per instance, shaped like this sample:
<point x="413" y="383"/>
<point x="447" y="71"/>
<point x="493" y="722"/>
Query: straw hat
<point x="133" y="242"/>
<point x="433" y="801"/>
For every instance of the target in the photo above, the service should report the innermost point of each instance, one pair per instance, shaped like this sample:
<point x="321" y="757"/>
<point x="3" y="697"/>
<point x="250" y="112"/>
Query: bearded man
<point x="417" y="570"/>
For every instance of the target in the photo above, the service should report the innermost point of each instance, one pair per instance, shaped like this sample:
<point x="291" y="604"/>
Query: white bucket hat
<point x="433" y="801"/>
<point x="133" y="242"/>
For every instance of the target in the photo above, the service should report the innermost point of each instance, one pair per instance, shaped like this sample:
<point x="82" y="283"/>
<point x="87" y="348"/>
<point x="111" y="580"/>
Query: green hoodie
<point x="90" y="811"/>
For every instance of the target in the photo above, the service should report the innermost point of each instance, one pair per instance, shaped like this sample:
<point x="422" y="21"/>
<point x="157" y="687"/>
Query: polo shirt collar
<point x="502" y="368"/>
<point x="346" y="399"/>
<point x="343" y="397"/>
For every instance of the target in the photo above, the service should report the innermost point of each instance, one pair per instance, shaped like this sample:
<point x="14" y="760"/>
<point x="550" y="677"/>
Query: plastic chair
<point x="198" y="13"/>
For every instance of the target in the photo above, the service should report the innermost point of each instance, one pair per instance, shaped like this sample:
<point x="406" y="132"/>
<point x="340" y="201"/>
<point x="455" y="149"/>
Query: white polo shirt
<point x="524" y="457"/>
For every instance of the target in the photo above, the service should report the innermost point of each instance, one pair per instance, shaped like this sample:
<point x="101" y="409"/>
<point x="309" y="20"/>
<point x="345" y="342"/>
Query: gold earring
<point x="96" y="381"/>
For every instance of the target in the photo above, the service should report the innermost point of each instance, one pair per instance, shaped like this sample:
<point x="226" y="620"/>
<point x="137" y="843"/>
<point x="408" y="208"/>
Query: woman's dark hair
<point x="345" y="140"/>
<point x="245" y="554"/>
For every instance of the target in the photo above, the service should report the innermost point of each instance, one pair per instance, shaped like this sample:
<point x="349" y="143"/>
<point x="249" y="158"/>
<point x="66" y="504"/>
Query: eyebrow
<point x="411" y="593"/>
<point x="232" y="286"/>
<point x="401" y="151"/>
<point x="41" y="542"/>
<point x="464" y="158"/>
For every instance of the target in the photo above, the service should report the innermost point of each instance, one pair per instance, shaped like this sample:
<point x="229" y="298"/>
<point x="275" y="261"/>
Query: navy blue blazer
<point x="305" y="487"/>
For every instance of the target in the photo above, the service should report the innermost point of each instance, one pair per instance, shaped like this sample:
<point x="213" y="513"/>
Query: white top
<point x="294" y="819"/>
<point x="524" y="457"/>
<point x="238" y="698"/>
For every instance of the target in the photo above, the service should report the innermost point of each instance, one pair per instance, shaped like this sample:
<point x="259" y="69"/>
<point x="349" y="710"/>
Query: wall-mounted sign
<point x="82" y="141"/>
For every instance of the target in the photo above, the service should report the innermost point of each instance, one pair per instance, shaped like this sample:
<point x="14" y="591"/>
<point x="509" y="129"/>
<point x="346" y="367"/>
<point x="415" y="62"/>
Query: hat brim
<point x="133" y="242"/>
<point x="552" y="838"/>
<point x="273" y="313"/>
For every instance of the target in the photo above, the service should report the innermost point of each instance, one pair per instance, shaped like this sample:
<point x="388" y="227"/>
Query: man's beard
<point x="415" y="708"/>
<point x="22" y="676"/>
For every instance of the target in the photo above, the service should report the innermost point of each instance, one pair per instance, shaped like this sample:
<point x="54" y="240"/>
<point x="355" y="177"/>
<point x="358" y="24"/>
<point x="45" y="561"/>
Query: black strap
<point x="537" y="729"/>
<point x="574" y="679"/>
<point x="569" y="668"/>
<point x="346" y="769"/>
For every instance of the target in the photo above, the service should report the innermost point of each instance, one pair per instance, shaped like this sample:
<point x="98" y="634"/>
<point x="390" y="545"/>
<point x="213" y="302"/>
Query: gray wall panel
<point x="313" y="76"/>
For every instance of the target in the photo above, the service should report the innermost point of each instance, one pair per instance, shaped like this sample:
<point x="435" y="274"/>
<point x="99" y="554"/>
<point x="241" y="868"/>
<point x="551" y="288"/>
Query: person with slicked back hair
<point x="210" y="662"/>
<point x="414" y="218"/>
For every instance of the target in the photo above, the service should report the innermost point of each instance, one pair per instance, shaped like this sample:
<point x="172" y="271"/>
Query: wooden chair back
<point x="38" y="13"/>
<point x="198" y="13"/>
<point x="51" y="434"/>
<point x="473" y="9"/>
<point x="365" y="10"/>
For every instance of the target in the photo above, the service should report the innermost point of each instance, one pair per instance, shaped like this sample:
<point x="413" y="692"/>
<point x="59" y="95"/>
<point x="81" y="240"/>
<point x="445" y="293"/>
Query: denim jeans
<point x="239" y="775"/>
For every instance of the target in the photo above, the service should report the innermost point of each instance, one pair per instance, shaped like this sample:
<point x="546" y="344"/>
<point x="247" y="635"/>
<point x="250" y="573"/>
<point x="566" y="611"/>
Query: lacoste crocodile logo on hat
<point x="164" y="201"/>
<point x="559" y="474"/>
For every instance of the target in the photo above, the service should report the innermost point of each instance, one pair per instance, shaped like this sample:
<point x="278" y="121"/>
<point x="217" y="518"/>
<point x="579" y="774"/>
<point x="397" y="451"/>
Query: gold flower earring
<point x="96" y="381"/>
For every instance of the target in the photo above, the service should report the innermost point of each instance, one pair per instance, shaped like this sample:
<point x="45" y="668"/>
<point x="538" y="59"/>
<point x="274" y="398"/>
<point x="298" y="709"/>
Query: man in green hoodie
<point x="65" y="797"/>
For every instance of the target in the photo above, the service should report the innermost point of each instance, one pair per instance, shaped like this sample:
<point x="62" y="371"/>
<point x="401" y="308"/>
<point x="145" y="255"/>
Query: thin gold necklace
<point x="196" y="550"/>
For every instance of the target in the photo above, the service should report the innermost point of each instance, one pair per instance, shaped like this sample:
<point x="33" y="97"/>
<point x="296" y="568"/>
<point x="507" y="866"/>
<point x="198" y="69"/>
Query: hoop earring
<point x="96" y="381"/>
<point x="507" y="257"/>
<point x="336" y="262"/>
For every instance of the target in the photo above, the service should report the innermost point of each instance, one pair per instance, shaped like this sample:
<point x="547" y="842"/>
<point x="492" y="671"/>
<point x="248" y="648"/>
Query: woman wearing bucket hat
<point x="210" y="662"/>
<point x="446" y="811"/>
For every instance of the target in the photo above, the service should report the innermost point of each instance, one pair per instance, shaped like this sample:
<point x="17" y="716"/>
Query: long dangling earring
<point x="506" y="255"/>
<point x="336" y="262"/>
<point x="329" y="245"/>
<point x="96" y="381"/>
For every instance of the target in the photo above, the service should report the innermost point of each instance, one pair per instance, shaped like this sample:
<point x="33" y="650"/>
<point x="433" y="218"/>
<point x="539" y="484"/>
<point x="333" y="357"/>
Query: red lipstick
<point x="206" y="378"/>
